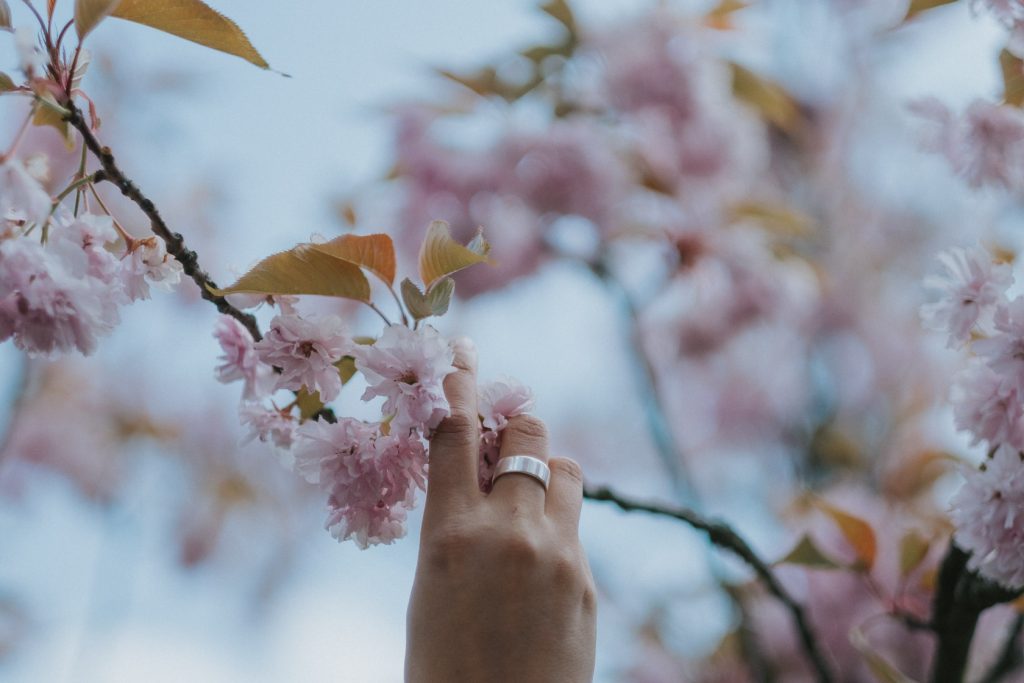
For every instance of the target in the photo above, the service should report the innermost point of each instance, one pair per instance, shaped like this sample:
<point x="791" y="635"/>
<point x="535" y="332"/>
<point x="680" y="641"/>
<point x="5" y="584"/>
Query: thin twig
<point x="174" y="242"/>
<point x="723" y="536"/>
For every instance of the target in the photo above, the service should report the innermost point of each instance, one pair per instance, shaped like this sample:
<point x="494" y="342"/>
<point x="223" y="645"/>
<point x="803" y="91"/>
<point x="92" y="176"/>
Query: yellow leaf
<point x="913" y="549"/>
<point x="776" y="217"/>
<point x="347" y="368"/>
<point x="303" y="270"/>
<point x="376" y="253"/>
<point x="49" y="113"/>
<point x="807" y="554"/>
<point x="1013" y="78"/>
<point x="6" y="83"/>
<point x="720" y="16"/>
<point x="5" y="14"/>
<point x="89" y="13"/>
<point x="192" y="20"/>
<point x="918" y="6"/>
<point x="857" y="533"/>
<point x="440" y="255"/>
<point x="309" y="403"/>
<point x="769" y="98"/>
<point x="561" y="12"/>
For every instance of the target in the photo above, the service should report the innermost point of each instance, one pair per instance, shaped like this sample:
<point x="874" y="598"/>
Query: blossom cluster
<point x="975" y="310"/>
<point x="369" y="470"/>
<point x="63" y="277"/>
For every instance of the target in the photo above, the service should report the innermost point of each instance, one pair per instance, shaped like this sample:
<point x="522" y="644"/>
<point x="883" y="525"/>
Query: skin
<point x="503" y="592"/>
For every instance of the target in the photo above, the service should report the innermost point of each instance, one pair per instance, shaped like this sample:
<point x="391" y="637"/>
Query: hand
<point x="503" y="592"/>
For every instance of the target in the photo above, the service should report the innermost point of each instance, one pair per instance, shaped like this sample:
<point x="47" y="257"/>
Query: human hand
<point x="503" y="592"/>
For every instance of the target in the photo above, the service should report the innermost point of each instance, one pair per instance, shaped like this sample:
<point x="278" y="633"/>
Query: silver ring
<point x="523" y="464"/>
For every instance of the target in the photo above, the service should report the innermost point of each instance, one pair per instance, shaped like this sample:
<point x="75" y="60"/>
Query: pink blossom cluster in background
<point x="974" y="309"/>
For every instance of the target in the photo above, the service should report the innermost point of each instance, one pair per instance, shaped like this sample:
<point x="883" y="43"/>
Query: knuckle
<point x="589" y="597"/>
<point x="566" y="570"/>
<point x="519" y="551"/>
<point x="445" y="547"/>
<point x="528" y="426"/>
<point x="456" y="429"/>
<point x="570" y="469"/>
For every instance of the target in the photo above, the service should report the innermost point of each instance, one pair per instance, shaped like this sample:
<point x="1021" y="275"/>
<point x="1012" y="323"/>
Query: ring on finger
<point x="523" y="464"/>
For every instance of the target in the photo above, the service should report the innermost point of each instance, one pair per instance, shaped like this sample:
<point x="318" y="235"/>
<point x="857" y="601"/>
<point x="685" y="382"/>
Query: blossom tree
<point x="706" y="198"/>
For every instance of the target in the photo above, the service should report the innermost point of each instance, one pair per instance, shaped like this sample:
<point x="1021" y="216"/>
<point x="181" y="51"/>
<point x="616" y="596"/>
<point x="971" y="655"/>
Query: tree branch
<point x="723" y="536"/>
<point x="174" y="242"/>
<point x="960" y="598"/>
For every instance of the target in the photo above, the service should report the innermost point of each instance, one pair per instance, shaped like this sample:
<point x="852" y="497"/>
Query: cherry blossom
<point x="987" y="408"/>
<point x="407" y="368"/>
<point x="306" y="350"/>
<point x="22" y="198"/>
<point x="988" y="512"/>
<point x="146" y="263"/>
<point x="1004" y="351"/>
<point x="970" y="286"/>
<point x="498" y="401"/>
<point x="371" y="478"/>
<point x="268" y="424"/>
<point x="240" y="360"/>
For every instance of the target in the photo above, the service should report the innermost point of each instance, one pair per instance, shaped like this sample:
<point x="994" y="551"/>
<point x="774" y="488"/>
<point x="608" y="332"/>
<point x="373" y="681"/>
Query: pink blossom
<point x="239" y="360"/>
<point x="268" y="425"/>
<point x="1004" y="351"/>
<point x="47" y="301"/>
<point x="149" y="263"/>
<point x="498" y="401"/>
<point x="984" y="145"/>
<point x="306" y="351"/>
<point x="407" y="367"/>
<point x="371" y="479"/>
<point x="988" y="512"/>
<point x="987" y="408"/>
<point x="970" y="287"/>
<point x="22" y="198"/>
<point x="501" y="399"/>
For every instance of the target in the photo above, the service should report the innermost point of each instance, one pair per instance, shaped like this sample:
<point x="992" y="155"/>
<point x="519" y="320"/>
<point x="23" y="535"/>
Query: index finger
<point x="455" y="444"/>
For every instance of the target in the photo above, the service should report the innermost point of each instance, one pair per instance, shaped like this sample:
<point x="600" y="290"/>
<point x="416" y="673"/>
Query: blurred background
<point x="731" y="327"/>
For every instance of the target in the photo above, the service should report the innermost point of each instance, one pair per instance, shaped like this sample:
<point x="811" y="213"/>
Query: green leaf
<point x="1013" y="78"/>
<point x="857" y="533"/>
<point x="807" y="554"/>
<point x="5" y="14"/>
<point x="434" y="302"/>
<point x="303" y="270"/>
<point x="415" y="300"/>
<point x="309" y="403"/>
<point x="346" y="368"/>
<point x="769" y="98"/>
<point x="7" y="84"/>
<point x="49" y="113"/>
<point x="89" y="13"/>
<point x="440" y="255"/>
<point x="440" y="296"/>
<point x="376" y="253"/>
<point x="879" y="666"/>
<point x="192" y="20"/>
<point x="918" y="6"/>
<point x="913" y="549"/>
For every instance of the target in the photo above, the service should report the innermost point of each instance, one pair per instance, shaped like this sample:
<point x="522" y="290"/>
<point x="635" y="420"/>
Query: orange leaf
<point x="857" y="533"/>
<point x="376" y="253"/>
<point x="89" y="13"/>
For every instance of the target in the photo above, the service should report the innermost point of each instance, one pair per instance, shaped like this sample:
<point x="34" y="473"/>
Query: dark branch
<point x="174" y="242"/>
<point x="723" y="536"/>
<point x="960" y="598"/>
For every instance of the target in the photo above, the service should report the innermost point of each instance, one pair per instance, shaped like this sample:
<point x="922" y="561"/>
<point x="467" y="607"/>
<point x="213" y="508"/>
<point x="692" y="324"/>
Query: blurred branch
<point x="647" y="386"/>
<point x="723" y="536"/>
<point x="174" y="242"/>
<point x="960" y="598"/>
<point x="1012" y="655"/>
